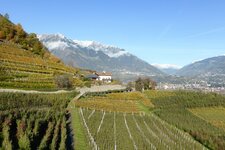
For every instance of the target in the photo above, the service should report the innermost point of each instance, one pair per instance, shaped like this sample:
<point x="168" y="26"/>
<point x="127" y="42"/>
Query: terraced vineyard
<point x="20" y="68"/>
<point x="111" y="130"/>
<point x="34" y="121"/>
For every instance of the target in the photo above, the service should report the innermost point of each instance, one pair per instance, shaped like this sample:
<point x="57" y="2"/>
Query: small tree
<point x="144" y="84"/>
<point x="139" y="85"/>
<point x="63" y="81"/>
<point x="153" y="85"/>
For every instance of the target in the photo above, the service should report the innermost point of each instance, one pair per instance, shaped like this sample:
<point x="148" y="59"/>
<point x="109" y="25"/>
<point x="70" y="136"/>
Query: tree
<point x="153" y="85"/>
<point x="144" y="84"/>
<point x="20" y="31"/>
<point x="139" y="85"/>
<point x="63" y="81"/>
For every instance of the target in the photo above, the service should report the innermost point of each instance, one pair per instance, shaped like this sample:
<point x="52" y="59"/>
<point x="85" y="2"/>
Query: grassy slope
<point x="79" y="137"/>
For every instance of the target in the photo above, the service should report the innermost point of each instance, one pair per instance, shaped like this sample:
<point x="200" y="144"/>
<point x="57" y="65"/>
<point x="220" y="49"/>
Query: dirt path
<point x="101" y="88"/>
<point x="32" y="91"/>
<point x="81" y="90"/>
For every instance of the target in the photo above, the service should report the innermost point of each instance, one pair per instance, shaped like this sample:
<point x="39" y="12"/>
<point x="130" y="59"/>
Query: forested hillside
<point x="15" y="33"/>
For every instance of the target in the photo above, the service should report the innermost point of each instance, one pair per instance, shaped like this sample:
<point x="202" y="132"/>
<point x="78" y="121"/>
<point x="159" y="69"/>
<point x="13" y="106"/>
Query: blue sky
<point x="158" y="31"/>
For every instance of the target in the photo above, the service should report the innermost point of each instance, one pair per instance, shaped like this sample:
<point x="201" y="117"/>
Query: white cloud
<point x="166" y="66"/>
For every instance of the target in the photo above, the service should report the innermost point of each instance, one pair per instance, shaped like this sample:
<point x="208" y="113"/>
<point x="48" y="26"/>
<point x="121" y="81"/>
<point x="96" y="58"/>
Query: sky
<point x="175" y="32"/>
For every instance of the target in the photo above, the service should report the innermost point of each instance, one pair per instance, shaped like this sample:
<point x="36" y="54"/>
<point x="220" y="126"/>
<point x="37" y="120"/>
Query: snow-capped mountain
<point x="111" y="51"/>
<point x="97" y="56"/>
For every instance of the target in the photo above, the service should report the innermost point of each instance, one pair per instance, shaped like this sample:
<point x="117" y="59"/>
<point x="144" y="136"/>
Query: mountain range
<point x="96" y="56"/>
<point x="209" y="67"/>
<point x="210" y="70"/>
<point x="126" y="66"/>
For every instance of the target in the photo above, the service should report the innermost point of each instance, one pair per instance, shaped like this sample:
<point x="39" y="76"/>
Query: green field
<point x="213" y="115"/>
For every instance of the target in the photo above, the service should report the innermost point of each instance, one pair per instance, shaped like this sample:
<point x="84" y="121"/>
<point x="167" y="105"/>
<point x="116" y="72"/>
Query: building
<point x="101" y="76"/>
<point x="92" y="76"/>
<point x="104" y="76"/>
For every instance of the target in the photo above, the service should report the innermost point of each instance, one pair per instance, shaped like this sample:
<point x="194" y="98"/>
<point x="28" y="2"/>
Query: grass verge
<point x="80" y="141"/>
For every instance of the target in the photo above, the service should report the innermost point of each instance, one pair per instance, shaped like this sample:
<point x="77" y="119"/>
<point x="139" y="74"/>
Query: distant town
<point x="205" y="87"/>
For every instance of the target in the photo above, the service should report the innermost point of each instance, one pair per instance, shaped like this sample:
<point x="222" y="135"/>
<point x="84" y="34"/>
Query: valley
<point x="60" y="93"/>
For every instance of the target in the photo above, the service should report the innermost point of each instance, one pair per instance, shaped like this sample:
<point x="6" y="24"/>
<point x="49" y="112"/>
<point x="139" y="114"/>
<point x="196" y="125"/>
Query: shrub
<point x="63" y="81"/>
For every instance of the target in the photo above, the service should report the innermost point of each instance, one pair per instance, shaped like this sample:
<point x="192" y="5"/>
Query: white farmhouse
<point x="104" y="76"/>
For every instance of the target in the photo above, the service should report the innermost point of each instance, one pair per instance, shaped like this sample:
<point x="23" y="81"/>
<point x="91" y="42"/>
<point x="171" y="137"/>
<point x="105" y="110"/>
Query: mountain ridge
<point x="212" y="65"/>
<point x="97" y="56"/>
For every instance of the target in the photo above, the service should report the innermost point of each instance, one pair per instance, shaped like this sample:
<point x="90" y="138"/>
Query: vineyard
<point x="34" y="121"/>
<point x="213" y="115"/>
<point x="112" y="130"/>
<point x="119" y="102"/>
<point x="20" y="68"/>
<point x="199" y="114"/>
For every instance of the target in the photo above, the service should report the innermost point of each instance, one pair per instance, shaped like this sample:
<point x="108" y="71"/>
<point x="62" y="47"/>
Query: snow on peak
<point x="45" y="36"/>
<point x="166" y="66"/>
<point x="56" y="44"/>
<point x="109" y="50"/>
<point x="84" y="43"/>
<point x="60" y="35"/>
<point x="53" y="41"/>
